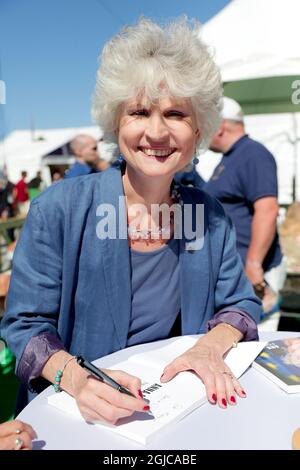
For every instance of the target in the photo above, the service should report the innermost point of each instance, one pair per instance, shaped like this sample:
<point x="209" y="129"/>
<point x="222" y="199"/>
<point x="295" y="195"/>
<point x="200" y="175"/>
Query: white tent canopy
<point x="23" y="151"/>
<point x="254" y="39"/>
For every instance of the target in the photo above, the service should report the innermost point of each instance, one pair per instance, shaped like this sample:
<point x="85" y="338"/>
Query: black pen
<point x="102" y="376"/>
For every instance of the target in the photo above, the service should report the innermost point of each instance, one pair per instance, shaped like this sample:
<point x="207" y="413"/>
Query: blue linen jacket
<point x="69" y="283"/>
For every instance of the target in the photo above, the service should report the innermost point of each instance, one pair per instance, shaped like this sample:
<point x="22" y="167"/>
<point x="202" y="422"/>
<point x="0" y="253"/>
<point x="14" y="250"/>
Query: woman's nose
<point x="156" y="129"/>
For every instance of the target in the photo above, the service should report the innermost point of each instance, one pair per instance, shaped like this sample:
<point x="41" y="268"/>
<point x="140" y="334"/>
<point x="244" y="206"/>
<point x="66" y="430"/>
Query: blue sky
<point x="49" y="53"/>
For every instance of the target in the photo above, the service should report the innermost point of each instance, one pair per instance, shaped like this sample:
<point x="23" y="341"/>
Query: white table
<point x="266" y="419"/>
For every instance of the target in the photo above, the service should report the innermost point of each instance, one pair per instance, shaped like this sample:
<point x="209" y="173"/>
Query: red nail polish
<point x="214" y="397"/>
<point x="140" y="394"/>
<point x="243" y="393"/>
<point x="146" y="408"/>
<point x="224" y="402"/>
<point x="232" y="399"/>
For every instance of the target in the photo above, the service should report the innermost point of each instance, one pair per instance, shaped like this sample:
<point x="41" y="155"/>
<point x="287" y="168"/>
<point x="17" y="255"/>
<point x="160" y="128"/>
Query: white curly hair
<point x="140" y="58"/>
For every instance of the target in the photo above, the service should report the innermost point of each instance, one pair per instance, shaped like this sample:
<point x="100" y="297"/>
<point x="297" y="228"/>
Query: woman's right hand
<point x="16" y="435"/>
<point x="99" y="402"/>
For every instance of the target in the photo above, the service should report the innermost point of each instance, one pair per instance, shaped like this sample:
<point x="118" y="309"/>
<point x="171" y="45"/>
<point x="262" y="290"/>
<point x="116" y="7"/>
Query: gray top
<point x="155" y="293"/>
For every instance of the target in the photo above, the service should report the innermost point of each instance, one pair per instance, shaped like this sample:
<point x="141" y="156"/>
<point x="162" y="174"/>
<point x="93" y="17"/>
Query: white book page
<point x="240" y="358"/>
<point x="160" y="357"/>
<point x="168" y="402"/>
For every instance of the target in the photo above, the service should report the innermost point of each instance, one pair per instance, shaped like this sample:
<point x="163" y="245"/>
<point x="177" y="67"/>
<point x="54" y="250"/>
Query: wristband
<point x="230" y="327"/>
<point x="59" y="374"/>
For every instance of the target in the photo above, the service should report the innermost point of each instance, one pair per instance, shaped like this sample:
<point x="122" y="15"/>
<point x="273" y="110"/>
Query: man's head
<point x="57" y="176"/>
<point x="24" y="174"/>
<point x="232" y="126"/>
<point x="84" y="147"/>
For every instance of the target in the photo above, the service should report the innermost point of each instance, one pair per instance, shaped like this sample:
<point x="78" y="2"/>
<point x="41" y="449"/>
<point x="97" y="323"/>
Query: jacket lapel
<point x="194" y="268"/>
<point x="116" y="262"/>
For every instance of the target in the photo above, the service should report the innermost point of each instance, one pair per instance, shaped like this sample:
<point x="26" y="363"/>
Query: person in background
<point x="84" y="148"/>
<point x="36" y="185"/>
<point x="37" y="182"/>
<point x="245" y="182"/>
<point x="57" y="176"/>
<point x="7" y="204"/>
<point x="16" y="435"/>
<point x="21" y="195"/>
<point x="6" y="199"/>
<point x="145" y="279"/>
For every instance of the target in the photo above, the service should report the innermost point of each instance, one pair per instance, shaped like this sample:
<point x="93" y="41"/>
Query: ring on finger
<point x="18" y="443"/>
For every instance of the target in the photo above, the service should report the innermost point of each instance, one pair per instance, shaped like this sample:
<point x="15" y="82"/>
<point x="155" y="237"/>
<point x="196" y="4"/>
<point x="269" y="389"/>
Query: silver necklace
<point x="136" y="233"/>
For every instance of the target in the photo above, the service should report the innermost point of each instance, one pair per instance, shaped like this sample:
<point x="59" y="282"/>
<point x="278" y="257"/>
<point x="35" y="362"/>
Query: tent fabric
<point x="266" y="95"/>
<point x="256" y="46"/>
<point x="255" y="38"/>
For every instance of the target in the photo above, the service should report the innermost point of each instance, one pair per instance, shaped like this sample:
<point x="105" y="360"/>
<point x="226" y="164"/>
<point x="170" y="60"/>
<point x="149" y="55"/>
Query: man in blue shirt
<point x="245" y="182"/>
<point x="84" y="148"/>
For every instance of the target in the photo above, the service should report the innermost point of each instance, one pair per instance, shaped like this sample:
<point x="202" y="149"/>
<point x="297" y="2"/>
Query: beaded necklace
<point x="136" y="233"/>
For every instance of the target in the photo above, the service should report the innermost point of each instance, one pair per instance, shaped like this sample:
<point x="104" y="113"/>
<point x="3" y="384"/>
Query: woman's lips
<point x="157" y="154"/>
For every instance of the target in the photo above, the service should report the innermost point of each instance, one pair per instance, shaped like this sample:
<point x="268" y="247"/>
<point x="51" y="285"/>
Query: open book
<point x="280" y="362"/>
<point x="171" y="401"/>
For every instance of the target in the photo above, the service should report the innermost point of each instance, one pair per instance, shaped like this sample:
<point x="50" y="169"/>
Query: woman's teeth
<point x="157" y="153"/>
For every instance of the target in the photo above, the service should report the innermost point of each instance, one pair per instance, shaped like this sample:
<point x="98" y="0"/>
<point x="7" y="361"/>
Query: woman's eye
<point x="175" y="114"/>
<point x="139" y="112"/>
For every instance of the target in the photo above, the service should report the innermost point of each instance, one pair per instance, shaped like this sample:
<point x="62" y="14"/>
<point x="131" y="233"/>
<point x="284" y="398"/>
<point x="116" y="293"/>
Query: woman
<point x="95" y="272"/>
<point x="16" y="435"/>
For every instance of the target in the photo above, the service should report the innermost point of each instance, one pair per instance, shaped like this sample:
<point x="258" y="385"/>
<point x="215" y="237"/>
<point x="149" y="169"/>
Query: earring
<point x="120" y="158"/>
<point x="195" y="160"/>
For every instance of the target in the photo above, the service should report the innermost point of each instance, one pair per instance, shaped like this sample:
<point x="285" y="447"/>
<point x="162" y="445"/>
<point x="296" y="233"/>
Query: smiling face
<point x="158" y="139"/>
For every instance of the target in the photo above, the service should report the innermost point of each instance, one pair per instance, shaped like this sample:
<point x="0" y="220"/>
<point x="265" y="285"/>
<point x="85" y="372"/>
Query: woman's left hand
<point x="16" y="435"/>
<point x="221" y="385"/>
